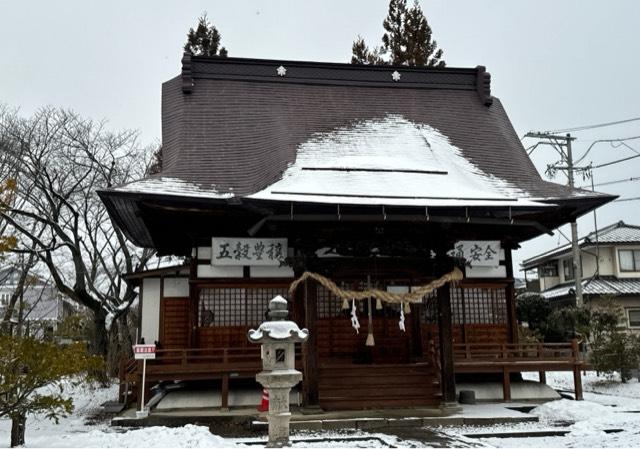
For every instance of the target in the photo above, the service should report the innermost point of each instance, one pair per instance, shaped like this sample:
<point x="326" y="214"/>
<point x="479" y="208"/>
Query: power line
<point x="608" y="183"/>
<point x="611" y="141"/>
<point x="606" y="164"/>
<point x="620" y="200"/>
<point x="598" y="125"/>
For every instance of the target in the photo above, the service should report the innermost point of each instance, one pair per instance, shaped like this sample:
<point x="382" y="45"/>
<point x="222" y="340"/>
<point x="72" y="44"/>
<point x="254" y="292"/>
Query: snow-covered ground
<point x="75" y="431"/>
<point x="608" y="405"/>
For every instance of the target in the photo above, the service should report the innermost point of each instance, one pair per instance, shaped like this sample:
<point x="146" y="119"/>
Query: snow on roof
<point x="164" y="185"/>
<point x="391" y="161"/>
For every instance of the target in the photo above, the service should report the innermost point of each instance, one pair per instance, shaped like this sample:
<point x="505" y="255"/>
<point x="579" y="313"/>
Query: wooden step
<point x="378" y="386"/>
<point x="363" y="403"/>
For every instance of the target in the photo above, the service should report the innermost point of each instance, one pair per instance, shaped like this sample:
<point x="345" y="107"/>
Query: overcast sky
<point x="554" y="64"/>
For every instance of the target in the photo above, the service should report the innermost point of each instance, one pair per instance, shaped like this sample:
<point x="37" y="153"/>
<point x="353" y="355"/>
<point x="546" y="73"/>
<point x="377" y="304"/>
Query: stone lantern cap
<point x="278" y="329"/>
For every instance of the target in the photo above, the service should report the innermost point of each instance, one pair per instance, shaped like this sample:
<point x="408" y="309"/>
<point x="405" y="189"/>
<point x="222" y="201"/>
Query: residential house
<point x="40" y="308"/>
<point x="610" y="261"/>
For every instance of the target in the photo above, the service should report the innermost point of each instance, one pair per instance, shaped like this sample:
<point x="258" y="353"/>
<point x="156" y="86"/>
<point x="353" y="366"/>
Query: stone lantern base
<point x="279" y="384"/>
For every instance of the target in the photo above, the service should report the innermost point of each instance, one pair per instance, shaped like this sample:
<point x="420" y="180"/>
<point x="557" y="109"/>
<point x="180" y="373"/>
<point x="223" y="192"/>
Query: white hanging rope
<point x="354" y="317"/>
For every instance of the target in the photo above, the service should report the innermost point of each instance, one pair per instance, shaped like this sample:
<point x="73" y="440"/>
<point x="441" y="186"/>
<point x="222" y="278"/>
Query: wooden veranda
<point x="404" y="368"/>
<point x="343" y="385"/>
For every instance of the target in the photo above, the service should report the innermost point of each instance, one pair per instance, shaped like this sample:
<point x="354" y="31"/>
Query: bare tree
<point x="62" y="160"/>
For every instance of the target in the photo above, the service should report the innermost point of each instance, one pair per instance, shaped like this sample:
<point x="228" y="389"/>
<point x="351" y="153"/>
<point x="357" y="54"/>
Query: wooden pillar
<point x="577" y="382"/>
<point x="310" y="349"/>
<point x="193" y="300"/>
<point x="446" y="345"/>
<point x="577" y="379"/>
<point x="224" y="400"/>
<point x="510" y="294"/>
<point x="542" y="377"/>
<point x="506" y="385"/>
<point x="417" y="311"/>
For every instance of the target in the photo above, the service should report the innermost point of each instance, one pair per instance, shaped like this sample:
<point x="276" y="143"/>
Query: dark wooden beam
<point x="577" y="378"/>
<point x="193" y="301"/>
<point x="446" y="345"/>
<point x="224" y="394"/>
<point x="542" y="377"/>
<point x="310" y="348"/>
<point x="416" y="331"/>
<point x="510" y="293"/>
<point x="506" y="385"/>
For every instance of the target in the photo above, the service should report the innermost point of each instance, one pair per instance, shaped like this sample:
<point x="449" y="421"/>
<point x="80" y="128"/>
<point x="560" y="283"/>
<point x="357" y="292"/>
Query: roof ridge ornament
<point x="396" y="76"/>
<point x="483" y="85"/>
<point x="281" y="71"/>
<point x="187" y="75"/>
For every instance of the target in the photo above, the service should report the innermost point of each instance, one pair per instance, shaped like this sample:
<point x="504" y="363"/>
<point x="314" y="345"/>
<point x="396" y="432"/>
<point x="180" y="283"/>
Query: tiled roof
<point x="616" y="233"/>
<point x="605" y="285"/>
<point x="241" y="131"/>
<point x="233" y="125"/>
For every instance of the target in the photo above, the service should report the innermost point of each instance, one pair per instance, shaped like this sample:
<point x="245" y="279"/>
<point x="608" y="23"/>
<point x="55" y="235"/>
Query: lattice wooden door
<point x="175" y="323"/>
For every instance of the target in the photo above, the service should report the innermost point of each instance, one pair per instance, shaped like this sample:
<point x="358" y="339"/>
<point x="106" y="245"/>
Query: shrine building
<point x="394" y="195"/>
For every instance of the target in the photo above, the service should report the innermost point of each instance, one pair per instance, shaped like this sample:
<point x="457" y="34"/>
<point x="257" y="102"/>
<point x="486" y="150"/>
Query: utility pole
<point x="562" y="143"/>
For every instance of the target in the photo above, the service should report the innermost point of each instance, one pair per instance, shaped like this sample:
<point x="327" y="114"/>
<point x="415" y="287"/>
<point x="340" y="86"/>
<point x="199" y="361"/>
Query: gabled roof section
<point x="618" y="233"/>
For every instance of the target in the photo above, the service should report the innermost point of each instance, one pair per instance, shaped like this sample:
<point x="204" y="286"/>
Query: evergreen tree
<point x="33" y="375"/>
<point x="395" y="39"/>
<point x="362" y="55"/>
<point x="204" y="40"/>
<point x="407" y="40"/>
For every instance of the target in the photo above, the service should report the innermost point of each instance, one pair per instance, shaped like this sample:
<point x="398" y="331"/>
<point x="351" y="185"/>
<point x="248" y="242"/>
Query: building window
<point x="567" y="268"/>
<point x="236" y="306"/>
<point x="634" y="317"/>
<point x="549" y="270"/>
<point x="629" y="259"/>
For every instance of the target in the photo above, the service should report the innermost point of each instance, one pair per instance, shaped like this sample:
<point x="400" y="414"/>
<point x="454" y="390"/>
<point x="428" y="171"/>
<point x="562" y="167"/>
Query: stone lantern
<point x="278" y="338"/>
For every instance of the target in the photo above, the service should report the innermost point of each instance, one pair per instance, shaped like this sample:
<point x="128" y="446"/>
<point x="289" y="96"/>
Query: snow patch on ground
<point x="569" y="410"/>
<point x="592" y="382"/>
<point x="608" y="405"/>
<point x="42" y="432"/>
<point x="186" y="436"/>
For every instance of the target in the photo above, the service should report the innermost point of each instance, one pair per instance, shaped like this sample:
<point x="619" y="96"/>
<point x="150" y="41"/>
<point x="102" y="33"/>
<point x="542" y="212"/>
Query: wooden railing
<point x="226" y="357"/>
<point x="194" y="364"/>
<point x="506" y="358"/>
<point x="516" y="352"/>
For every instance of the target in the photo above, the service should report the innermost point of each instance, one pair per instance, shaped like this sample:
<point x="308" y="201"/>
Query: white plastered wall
<point x="150" y="327"/>
<point x="176" y="288"/>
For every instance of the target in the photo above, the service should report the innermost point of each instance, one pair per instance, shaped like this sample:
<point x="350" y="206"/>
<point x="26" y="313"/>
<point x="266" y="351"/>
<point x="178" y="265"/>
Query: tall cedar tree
<point x="406" y="41"/>
<point x="204" y="40"/>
